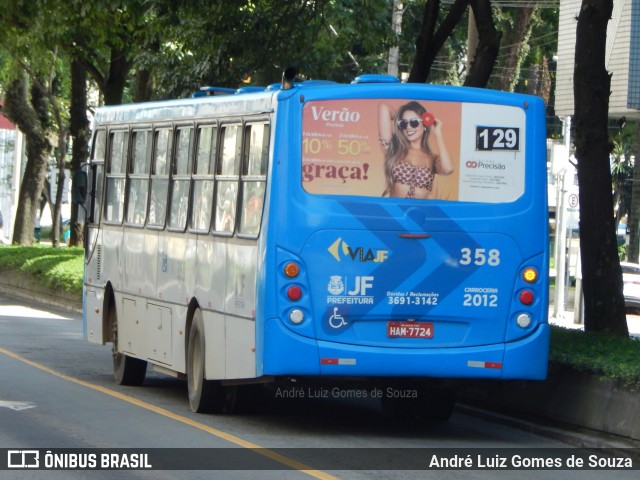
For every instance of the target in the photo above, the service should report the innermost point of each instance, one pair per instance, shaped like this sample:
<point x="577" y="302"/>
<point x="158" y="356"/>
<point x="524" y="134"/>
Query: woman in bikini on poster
<point x="410" y="165"/>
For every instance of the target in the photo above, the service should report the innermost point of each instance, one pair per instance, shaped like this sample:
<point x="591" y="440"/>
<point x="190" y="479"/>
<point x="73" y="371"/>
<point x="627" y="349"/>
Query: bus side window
<point x="138" y="185"/>
<point x="97" y="169"/>
<point x="181" y="179"/>
<point x="160" y="178"/>
<point x="227" y="179"/>
<point x="203" y="183"/>
<point x="254" y="177"/>
<point x="116" y="176"/>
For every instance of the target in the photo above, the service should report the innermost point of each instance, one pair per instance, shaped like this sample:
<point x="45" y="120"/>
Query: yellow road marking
<point x="179" y="418"/>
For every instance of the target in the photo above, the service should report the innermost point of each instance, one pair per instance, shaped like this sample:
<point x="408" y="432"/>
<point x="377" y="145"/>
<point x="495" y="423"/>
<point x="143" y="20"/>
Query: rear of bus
<point x="358" y="284"/>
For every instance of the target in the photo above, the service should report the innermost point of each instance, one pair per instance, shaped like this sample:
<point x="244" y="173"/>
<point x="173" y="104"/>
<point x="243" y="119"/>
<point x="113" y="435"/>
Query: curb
<point x="578" y="437"/>
<point x="21" y="285"/>
<point x="575" y="400"/>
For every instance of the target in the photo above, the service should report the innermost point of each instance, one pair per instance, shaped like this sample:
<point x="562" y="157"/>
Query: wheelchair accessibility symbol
<point x="336" y="320"/>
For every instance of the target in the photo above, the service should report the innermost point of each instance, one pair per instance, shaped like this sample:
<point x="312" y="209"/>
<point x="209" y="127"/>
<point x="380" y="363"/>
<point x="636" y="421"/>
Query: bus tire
<point x="205" y="396"/>
<point x="126" y="370"/>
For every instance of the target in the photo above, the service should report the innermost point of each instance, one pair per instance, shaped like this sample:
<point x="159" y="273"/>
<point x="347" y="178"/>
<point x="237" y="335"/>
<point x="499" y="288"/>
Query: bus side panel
<point x="240" y="349"/>
<point x="211" y="273"/>
<point x="226" y="275"/>
<point x="240" y="309"/>
<point x="93" y="302"/>
<point x="131" y="326"/>
<point x="138" y="263"/>
<point x="240" y="298"/>
<point x="215" y="338"/>
<point x="176" y="257"/>
<point x="94" y="290"/>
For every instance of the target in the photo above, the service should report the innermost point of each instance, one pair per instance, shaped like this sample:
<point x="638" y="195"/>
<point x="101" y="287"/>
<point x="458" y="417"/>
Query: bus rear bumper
<point x="286" y="353"/>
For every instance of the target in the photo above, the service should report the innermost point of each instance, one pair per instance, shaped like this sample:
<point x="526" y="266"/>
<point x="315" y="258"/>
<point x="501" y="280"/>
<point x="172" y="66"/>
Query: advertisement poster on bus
<point x="420" y="149"/>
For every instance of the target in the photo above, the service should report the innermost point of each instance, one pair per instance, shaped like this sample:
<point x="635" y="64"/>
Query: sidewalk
<point x="566" y="319"/>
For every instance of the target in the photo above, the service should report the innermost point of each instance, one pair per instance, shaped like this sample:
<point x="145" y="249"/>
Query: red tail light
<point x="294" y="293"/>
<point x="526" y="297"/>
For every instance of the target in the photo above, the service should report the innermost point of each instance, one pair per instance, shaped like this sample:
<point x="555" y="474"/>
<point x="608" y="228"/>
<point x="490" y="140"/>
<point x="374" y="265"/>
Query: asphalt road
<point x="57" y="392"/>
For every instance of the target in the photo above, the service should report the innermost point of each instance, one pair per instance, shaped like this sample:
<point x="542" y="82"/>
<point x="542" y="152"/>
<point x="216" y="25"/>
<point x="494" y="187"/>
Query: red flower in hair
<point x="427" y="119"/>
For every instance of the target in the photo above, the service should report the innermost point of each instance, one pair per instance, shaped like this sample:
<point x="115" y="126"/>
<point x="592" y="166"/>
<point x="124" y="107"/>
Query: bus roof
<point x="219" y="101"/>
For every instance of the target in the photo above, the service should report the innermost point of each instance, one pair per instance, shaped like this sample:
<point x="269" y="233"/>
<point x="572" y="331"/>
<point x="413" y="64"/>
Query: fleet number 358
<point x="480" y="256"/>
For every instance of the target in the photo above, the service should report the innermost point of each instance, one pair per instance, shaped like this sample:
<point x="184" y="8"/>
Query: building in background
<point x="622" y="60"/>
<point x="10" y="174"/>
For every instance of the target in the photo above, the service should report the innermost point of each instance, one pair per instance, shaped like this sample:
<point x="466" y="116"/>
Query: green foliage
<point x="623" y="143"/>
<point x="227" y="43"/>
<point x="622" y="251"/>
<point x="56" y="268"/>
<point x="608" y="356"/>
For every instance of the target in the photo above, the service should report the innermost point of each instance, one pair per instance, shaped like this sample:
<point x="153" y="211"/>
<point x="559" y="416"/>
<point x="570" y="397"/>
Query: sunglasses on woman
<point x="414" y="122"/>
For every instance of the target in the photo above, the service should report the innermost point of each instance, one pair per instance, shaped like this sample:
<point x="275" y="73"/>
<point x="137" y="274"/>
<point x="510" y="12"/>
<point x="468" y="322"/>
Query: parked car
<point x="631" y="285"/>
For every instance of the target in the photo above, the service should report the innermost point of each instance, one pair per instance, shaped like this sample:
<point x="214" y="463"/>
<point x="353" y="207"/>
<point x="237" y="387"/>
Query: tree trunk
<point x="25" y="116"/>
<point x="540" y="81"/>
<point x="56" y="202"/>
<point x="144" y="85"/>
<point x="488" y="45"/>
<point x="79" y="129"/>
<point x="119" y="68"/>
<point x="429" y="40"/>
<point x="515" y="44"/>
<point x="601" y="274"/>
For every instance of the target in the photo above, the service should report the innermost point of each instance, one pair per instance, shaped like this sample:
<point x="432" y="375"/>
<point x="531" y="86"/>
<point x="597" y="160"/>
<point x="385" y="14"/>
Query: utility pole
<point x="561" y="223"/>
<point x="561" y="244"/>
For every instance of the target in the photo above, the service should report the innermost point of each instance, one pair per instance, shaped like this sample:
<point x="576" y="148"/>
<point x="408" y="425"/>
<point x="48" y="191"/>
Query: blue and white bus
<point x="375" y="232"/>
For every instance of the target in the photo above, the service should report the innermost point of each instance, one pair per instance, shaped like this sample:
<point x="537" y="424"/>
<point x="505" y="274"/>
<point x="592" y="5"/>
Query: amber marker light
<point x="530" y="275"/>
<point x="291" y="270"/>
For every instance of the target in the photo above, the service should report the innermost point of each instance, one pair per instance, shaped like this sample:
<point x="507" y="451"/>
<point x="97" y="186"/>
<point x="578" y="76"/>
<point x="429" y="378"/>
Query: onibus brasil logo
<point x="339" y="249"/>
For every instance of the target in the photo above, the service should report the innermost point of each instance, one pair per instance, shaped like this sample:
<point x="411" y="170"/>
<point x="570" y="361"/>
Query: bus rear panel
<point x="370" y="285"/>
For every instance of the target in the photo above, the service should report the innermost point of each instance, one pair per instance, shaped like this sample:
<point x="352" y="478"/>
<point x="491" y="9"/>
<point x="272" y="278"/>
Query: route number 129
<point x="497" y="138"/>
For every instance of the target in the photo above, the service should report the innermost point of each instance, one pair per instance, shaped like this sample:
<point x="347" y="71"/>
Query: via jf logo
<point x="339" y="250"/>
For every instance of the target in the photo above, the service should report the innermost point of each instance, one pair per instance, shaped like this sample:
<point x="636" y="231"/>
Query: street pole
<point x="561" y="245"/>
<point x="561" y="223"/>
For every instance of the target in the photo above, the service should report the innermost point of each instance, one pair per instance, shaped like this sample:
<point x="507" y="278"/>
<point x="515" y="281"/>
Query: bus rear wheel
<point x="126" y="370"/>
<point x="205" y="396"/>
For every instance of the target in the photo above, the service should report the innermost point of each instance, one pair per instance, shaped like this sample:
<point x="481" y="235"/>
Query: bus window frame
<point x="209" y="176"/>
<point x="157" y="128"/>
<point x="180" y="177"/>
<point x="97" y="182"/>
<point x="247" y="178"/>
<point x="238" y="123"/>
<point x="131" y="175"/>
<point x="120" y="175"/>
